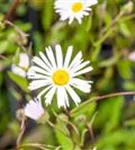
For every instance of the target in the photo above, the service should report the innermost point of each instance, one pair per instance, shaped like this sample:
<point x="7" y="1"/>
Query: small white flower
<point x="73" y="9"/>
<point x="54" y="74"/>
<point x="34" y="110"/>
<point x="132" y="56"/>
<point x="22" y="66"/>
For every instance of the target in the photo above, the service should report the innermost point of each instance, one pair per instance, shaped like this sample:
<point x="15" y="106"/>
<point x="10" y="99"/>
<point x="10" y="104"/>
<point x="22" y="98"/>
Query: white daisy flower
<point x="73" y="9"/>
<point x="22" y="66"/>
<point x="34" y="110"/>
<point x="54" y="74"/>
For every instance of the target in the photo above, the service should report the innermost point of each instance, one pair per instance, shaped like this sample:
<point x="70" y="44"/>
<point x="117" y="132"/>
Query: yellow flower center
<point x="76" y="7"/>
<point x="60" y="77"/>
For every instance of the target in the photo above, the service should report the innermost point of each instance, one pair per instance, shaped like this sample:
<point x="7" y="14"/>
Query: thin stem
<point x="114" y="21"/>
<point x="105" y="33"/>
<point x="68" y="122"/>
<point x="22" y="130"/>
<point x="34" y="145"/>
<point x="97" y="98"/>
<point x="113" y="95"/>
<point x="53" y="126"/>
<point x="20" y="32"/>
<point x="90" y="125"/>
<point x="132" y="16"/>
<point x="9" y="16"/>
<point x="37" y="145"/>
<point x="90" y="130"/>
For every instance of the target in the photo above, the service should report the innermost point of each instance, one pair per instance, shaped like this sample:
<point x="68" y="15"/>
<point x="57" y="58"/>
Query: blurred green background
<point x="106" y="38"/>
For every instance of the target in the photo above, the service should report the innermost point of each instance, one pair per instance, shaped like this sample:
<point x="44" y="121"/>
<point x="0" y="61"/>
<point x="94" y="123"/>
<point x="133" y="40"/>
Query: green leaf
<point x="124" y="69"/>
<point x="3" y="45"/>
<point x="38" y="41"/>
<point x="109" y="113"/>
<point x="130" y="123"/>
<point x="86" y="108"/>
<point x="122" y="139"/>
<point x="129" y="85"/>
<point x="124" y="28"/>
<point x="115" y="113"/>
<point x="83" y="134"/>
<point x="108" y="62"/>
<point x="47" y="14"/>
<point x="64" y="136"/>
<point x="4" y="110"/>
<point x="20" y="81"/>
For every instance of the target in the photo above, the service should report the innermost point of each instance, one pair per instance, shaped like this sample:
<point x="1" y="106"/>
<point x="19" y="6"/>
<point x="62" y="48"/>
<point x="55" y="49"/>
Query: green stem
<point x="132" y="16"/>
<point x="37" y="145"/>
<point x="106" y="32"/>
<point x="68" y="122"/>
<point x="52" y="125"/>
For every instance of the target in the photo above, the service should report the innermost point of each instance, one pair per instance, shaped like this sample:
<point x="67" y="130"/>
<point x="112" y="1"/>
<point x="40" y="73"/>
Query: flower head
<point x="22" y="66"/>
<point x="34" y="110"/>
<point x="56" y="74"/>
<point x="73" y="9"/>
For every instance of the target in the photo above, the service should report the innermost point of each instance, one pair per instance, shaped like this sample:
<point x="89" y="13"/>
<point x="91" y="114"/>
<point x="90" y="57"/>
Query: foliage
<point x="106" y="38"/>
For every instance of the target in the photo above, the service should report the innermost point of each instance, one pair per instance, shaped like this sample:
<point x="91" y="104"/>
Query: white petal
<point x="81" y="85"/>
<point x="88" y="69"/>
<point x="87" y="9"/>
<point x="49" y="96"/>
<point x="36" y="84"/>
<point x="66" y="97"/>
<point x="77" y="68"/>
<point x="33" y="75"/>
<point x="89" y="3"/>
<point x="71" y="19"/>
<point x="79" y="19"/>
<point x="68" y="56"/>
<point x="45" y="60"/>
<point x="43" y="92"/>
<point x="78" y="63"/>
<point x="59" y="56"/>
<point x="64" y="17"/>
<point x="60" y="97"/>
<point x="39" y="70"/>
<point x="73" y="95"/>
<point x="40" y="63"/>
<point x="85" y="13"/>
<point x="51" y="56"/>
<point x="76" y="59"/>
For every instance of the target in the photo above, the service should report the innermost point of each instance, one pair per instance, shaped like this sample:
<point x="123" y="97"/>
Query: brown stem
<point x="113" y="95"/>
<point x="90" y="130"/>
<point x="97" y="98"/>
<point x="10" y="15"/>
<point x="22" y="130"/>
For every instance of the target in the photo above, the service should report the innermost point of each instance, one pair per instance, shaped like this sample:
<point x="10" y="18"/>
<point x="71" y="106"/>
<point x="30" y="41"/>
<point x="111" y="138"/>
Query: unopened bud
<point x="20" y="114"/>
<point x="128" y="8"/>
